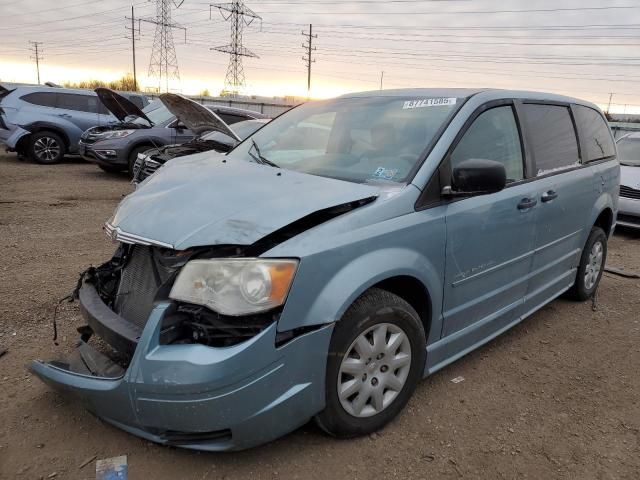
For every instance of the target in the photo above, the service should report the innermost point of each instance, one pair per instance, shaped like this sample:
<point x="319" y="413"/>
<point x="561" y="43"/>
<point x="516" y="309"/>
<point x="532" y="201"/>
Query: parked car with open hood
<point x="210" y="140"/>
<point x="45" y="123"/>
<point x="629" y="156"/>
<point x="341" y="253"/>
<point x="116" y="147"/>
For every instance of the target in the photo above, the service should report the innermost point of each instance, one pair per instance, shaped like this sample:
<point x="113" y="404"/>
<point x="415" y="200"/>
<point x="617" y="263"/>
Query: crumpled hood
<point x="203" y="200"/>
<point x="118" y="105"/>
<point x="630" y="176"/>
<point x="197" y="118"/>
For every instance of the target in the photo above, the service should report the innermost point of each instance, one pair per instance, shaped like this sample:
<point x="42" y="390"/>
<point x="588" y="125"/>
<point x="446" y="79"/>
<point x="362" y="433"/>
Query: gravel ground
<point x="556" y="397"/>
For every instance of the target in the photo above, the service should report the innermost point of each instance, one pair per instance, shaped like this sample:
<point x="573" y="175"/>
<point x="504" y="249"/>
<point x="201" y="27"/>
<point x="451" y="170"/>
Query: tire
<point x="592" y="262"/>
<point x="109" y="169"/>
<point x="370" y="314"/>
<point x="46" y="148"/>
<point x="132" y="158"/>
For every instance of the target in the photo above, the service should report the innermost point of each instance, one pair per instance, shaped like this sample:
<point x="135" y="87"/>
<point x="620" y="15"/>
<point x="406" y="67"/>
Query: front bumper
<point x="199" y="397"/>
<point x="628" y="212"/>
<point x="104" y="155"/>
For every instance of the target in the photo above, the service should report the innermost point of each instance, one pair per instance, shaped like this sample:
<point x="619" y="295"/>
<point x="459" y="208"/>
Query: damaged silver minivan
<point x="344" y="251"/>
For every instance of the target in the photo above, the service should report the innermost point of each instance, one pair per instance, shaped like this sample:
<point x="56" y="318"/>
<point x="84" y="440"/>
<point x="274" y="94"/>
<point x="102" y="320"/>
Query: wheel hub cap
<point x="594" y="265"/>
<point x="374" y="370"/>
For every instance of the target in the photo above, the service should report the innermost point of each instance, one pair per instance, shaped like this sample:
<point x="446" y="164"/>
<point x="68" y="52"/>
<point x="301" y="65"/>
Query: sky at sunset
<point x="578" y="48"/>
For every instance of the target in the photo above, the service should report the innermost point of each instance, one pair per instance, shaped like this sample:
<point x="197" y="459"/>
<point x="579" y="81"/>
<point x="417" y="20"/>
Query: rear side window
<point x="493" y="136"/>
<point x="79" y="103"/>
<point x="44" y="99"/>
<point x="594" y="132"/>
<point x="552" y="136"/>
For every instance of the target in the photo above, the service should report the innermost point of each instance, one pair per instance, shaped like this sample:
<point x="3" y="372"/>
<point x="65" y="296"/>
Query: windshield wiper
<point x="261" y="159"/>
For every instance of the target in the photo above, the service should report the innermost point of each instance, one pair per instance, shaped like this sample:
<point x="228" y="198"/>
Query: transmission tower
<point x="308" y="60"/>
<point x="37" y="55"/>
<point x="164" y="63"/>
<point x="240" y="16"/>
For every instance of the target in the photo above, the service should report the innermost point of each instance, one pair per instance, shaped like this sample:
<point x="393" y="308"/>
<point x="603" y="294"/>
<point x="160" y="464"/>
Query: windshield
<point x="354" y="139"/>
<point x="156" y="112"/>
<point x="629" y="151"/>
<point x="242" y="129"/>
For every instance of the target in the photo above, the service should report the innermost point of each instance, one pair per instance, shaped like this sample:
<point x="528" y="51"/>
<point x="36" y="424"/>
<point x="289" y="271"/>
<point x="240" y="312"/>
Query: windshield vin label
<point x="428" y="102"/>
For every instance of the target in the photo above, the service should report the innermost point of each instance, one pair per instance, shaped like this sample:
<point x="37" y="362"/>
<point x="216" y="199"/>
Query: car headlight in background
<point x="115" y="134"/>
<point x="235" y="286"/>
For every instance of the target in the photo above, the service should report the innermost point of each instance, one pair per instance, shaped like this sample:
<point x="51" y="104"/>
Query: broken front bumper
<point x="195" y="396"/>
<point x="12" y="135"/>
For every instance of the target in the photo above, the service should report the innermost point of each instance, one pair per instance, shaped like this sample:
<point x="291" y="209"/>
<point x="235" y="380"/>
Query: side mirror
<point x="478" y="176"/>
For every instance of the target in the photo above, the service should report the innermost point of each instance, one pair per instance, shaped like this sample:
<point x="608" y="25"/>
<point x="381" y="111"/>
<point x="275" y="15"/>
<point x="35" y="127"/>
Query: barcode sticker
<point x="428" y="102"/>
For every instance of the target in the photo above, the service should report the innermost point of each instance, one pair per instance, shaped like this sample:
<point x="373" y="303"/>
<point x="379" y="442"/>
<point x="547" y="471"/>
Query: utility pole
<point x="164" y="62"/>
<point x="609" y="105"/>
<point x="308" y="59"/>
<point x="132" y="28"/>
<point x="381" y="78"/>
<point x="239" y="15"/>
<point x="35" y="48"/>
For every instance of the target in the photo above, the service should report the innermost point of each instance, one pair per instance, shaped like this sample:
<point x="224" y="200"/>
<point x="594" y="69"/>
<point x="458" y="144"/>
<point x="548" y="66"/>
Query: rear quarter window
<point x="43" y="99"/>
<point x="552" y="137"/>
<point x="594" y="133"/>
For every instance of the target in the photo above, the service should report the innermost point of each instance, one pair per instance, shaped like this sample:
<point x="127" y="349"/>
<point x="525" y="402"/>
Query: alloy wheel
<point x="46" y="149"/>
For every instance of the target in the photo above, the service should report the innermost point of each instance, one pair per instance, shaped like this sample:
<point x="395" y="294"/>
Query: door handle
<point x="548" y="196"/>
<point x="527" y="203"/>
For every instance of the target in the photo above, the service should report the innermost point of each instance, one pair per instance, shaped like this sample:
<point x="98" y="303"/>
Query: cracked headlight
<point x="235" y="286"/>
<point x="116" y="134"/>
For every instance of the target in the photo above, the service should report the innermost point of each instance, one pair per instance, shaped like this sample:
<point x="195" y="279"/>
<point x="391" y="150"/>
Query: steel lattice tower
<point x="164" y="62"/>
<point x="239" y="15"/>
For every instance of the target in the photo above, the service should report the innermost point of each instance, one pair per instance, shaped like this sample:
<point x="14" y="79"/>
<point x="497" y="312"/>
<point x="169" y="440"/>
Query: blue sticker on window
<point x="386" y="173"/>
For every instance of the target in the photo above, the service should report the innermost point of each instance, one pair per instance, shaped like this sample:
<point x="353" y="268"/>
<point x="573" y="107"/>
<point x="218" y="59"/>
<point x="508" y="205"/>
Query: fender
<point x="354" y="278"/>
<point x="152" y="142"/>
<point x="39" y="125"/>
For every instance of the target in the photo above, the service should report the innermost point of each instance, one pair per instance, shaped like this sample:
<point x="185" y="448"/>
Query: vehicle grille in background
<point x="629" y="192"/>
<point x="629" y="219"/>
<point x="147" y="169"/>
<point x="139" y="282"/>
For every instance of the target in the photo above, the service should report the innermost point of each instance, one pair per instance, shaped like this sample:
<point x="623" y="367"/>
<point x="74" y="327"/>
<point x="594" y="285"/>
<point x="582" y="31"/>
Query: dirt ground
<point x="556" y="397"/>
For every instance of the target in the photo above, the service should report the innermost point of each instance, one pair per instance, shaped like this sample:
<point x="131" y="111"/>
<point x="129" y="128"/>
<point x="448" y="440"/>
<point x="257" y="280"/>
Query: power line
<point x="308" y="59"/>
<point x="37" y="56"/>
<point x="239" y="15"/>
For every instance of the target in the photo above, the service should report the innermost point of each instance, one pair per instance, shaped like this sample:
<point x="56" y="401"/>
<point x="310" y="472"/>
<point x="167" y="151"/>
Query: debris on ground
<point x="621" y="272"/>
<point x="457" y="380"/>
<point x="87" y="462"/>
<point x="114" y="468"/>
<point x="2" y="352"/>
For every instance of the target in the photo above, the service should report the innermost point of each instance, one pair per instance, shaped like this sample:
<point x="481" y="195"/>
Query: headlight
<point x="116" y="134"/>
<point x="235" y="286"/>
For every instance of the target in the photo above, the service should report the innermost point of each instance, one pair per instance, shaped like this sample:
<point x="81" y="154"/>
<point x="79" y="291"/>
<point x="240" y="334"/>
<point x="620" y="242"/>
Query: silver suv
<point x="45" y="123"/>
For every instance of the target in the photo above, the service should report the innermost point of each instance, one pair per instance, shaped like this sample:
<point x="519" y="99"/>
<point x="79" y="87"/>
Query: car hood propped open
<point x="225" y="203"/>
<point x="119" y="106"/>
<point x="196" y="117"/>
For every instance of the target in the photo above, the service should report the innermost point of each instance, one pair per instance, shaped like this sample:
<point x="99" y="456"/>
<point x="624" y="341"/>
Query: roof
<point x="489" y="93"/>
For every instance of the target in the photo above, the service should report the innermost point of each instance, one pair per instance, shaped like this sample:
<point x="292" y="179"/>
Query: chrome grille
<point x="629" y="192"/>
<point x="141" y="278"/>
<point x="146" y="168"/>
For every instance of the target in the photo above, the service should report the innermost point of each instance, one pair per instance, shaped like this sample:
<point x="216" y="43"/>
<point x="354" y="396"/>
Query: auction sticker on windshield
<point x="428" y="102"/>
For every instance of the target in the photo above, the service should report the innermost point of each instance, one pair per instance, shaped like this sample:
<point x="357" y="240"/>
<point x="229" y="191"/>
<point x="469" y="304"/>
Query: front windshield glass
<point x="156" y="112"/>
<point x="354" y="139"/>
<point x="629" y="151"/>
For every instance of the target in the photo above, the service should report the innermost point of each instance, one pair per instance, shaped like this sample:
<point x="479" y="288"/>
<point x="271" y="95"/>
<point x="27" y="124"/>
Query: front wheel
<point x="592" y="261"/>
<point x="376" y="359"/>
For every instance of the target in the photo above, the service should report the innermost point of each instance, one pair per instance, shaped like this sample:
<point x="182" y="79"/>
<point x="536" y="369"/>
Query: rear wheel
<point x="46" y="148"/>
<point x="592" y="261"/>
<point x="376" y="359"/>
